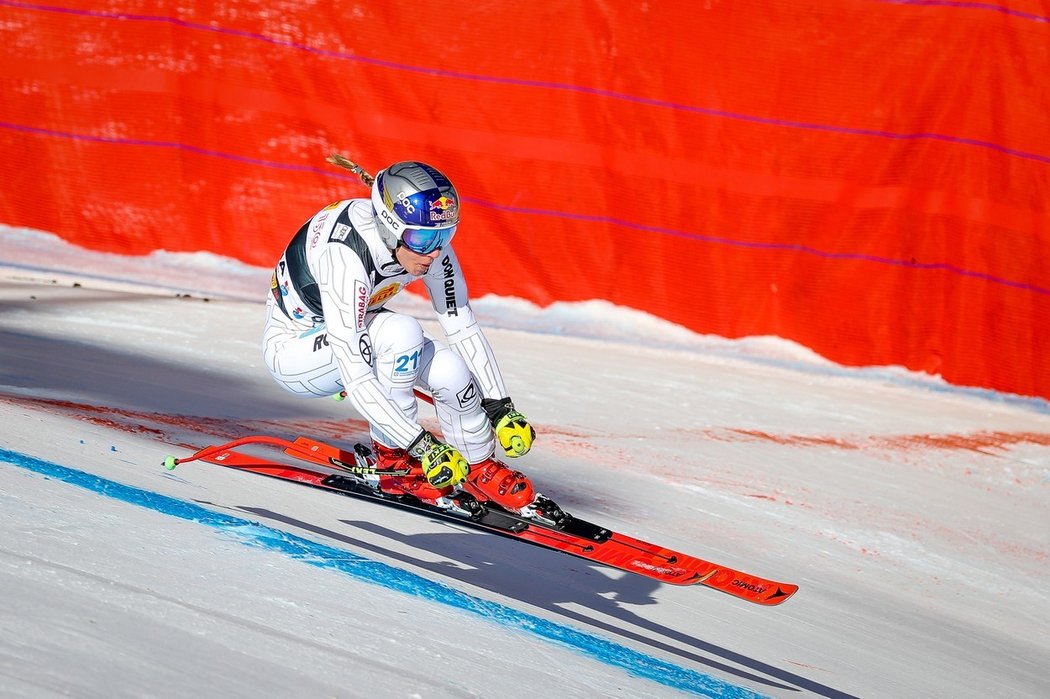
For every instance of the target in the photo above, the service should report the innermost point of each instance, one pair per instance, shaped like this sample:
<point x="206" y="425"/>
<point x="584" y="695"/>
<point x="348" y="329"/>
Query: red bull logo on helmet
<point x="443" y="209"/>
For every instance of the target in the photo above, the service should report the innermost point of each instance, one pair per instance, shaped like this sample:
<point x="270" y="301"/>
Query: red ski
<point x="330" y="468"/>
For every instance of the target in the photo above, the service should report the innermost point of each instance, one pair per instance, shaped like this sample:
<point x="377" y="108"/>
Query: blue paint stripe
<point x="367" y="570"/>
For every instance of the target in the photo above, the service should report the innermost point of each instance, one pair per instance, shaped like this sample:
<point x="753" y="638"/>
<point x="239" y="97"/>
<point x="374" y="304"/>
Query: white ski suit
<point x="327" y="331"/>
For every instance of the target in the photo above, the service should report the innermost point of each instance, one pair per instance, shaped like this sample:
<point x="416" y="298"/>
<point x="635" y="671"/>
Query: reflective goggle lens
<point x="426" y="240"/>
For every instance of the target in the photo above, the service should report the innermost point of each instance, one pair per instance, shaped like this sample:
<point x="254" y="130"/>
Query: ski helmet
<point x="415" y="205"/>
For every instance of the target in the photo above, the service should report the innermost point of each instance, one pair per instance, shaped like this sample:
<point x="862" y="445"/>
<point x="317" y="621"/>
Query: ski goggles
<point x="424" y="241"/>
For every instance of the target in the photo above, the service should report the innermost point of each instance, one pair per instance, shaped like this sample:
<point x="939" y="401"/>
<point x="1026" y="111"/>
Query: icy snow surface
<point x="913" y="514"/>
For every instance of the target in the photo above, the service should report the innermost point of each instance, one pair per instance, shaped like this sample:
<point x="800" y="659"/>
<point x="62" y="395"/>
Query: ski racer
<point x="328" y="333"/>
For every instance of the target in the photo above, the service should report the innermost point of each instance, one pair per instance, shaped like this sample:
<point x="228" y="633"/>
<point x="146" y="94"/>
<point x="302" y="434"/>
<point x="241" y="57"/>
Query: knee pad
<point x="398" y="344"/>
<point x="451" y="382"/>
<point x="457" y="399"/>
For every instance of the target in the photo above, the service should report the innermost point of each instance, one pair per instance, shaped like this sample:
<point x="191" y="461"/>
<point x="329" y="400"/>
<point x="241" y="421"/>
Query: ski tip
<point x="768" y="593"/>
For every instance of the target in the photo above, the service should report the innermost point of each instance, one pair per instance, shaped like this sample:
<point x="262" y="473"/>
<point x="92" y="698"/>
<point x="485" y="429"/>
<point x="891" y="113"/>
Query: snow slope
<point x="913" y="514"/>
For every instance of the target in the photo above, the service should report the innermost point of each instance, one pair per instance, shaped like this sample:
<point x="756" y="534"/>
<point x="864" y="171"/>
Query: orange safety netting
<point x="868" y="178"/>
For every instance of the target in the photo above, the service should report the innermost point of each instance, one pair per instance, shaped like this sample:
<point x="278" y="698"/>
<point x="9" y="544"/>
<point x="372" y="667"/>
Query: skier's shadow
<point x="555" y="582"/>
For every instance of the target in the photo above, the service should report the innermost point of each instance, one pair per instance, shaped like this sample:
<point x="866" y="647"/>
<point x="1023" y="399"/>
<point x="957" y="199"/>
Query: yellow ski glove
<point x="513" y="431"/>
<point x="443" y="465"/>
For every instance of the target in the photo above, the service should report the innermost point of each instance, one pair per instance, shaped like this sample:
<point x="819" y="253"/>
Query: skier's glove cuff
<point x="443" y="465"/>
<point x="513" y="430"/>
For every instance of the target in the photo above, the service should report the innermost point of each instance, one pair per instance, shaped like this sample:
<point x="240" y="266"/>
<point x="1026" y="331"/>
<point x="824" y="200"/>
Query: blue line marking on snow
<point x="367" y="570"/>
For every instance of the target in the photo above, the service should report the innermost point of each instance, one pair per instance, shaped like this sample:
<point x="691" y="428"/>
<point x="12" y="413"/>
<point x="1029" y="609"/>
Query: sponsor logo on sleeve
<point x="384" y="294"/>
<point x="341" y="233"/>
<point x="450" y="287"/>
<point x="274" y="287"/>
<point x="361" y="304"/>
<point x="317" y="225"/>
<point x="364" y="345"/>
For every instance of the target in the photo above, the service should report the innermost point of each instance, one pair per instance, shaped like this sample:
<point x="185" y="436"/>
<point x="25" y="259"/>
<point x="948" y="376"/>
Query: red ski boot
<point x="492" y="480"/>
<point x="413" y="483"/>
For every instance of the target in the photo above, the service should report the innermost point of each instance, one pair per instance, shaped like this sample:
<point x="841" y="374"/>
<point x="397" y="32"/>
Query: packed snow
<point x="913" y="514"/>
